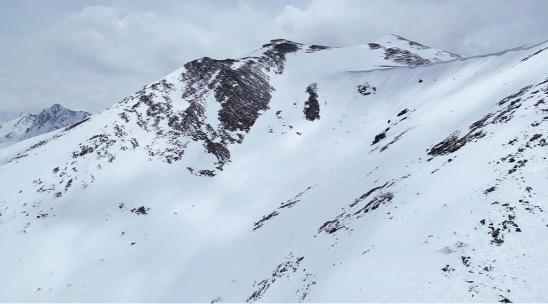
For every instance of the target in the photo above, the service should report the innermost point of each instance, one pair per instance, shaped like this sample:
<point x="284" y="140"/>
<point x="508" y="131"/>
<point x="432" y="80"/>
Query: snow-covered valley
<point x="388" y="171"/>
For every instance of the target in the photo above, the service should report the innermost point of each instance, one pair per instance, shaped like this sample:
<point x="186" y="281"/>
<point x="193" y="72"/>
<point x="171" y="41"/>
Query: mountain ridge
<point x="282" y="177"/>
<point x="28" y="125"/>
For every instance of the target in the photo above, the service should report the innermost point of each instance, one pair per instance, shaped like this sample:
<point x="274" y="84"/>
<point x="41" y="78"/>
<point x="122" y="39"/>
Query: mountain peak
<point x="29" y="125"/>
<point x="393" y="38"/>
<point x="403" y="50"/>
<point x="53" y="118"/>
<point x="57" y="107"/>
<point x="280" y="41"/>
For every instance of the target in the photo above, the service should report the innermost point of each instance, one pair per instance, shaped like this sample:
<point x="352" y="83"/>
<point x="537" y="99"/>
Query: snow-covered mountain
<point x="388" y="171"/>
<point x="14" y="130"/>
<point x="28" y="125"/>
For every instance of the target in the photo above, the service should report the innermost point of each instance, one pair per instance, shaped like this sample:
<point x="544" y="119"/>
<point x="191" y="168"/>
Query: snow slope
<point x="28" y="125"/>
<point x="296" y="173"/>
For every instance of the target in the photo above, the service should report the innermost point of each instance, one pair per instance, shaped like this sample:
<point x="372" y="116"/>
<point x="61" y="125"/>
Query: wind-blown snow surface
<point x="29" y="125"/>
<point x="299" y="173"/>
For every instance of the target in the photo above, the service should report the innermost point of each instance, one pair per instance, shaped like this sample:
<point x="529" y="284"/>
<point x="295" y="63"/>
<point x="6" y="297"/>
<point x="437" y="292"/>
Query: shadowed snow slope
<point x="297" y="173"/>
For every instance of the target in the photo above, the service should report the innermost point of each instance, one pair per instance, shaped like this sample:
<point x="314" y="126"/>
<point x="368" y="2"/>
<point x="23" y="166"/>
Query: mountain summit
<point x="388" y="171"/>
<point x="29" y="125"/>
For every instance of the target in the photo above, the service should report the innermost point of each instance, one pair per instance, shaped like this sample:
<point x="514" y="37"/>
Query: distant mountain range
<point x="28" y="125"/>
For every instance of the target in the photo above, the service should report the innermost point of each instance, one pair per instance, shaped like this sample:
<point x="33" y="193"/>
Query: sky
<point x="88" y="55"/>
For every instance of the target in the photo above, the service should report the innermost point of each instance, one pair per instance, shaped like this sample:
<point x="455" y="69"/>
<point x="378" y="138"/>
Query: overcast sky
<point x="90" y="54"/>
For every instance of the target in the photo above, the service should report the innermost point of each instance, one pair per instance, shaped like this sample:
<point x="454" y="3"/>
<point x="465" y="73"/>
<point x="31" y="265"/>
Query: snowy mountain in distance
<point x="14" y="130"/>
<point x="29" y="125"/>
<point x="54" y="118"/>
<point x="384" y="172"/>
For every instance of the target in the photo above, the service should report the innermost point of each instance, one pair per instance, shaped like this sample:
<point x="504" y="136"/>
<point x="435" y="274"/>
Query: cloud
<point x="90" y="54"/>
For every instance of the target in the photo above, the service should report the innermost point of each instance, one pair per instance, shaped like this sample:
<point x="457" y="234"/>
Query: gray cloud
<point x="90" y="54"/>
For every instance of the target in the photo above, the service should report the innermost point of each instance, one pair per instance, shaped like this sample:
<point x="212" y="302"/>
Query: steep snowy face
<point x="388" y="171"/>
<point x="54" y="118"/>
<point x="29" y="125"/>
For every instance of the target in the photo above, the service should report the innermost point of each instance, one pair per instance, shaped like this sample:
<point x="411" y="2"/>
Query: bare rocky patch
<point x="366" y="89"/>
<point x="312" y="105"/>
<point x="357" y="209"/>
<point x="284" y="205"/>
<point x="283" y="270"/>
